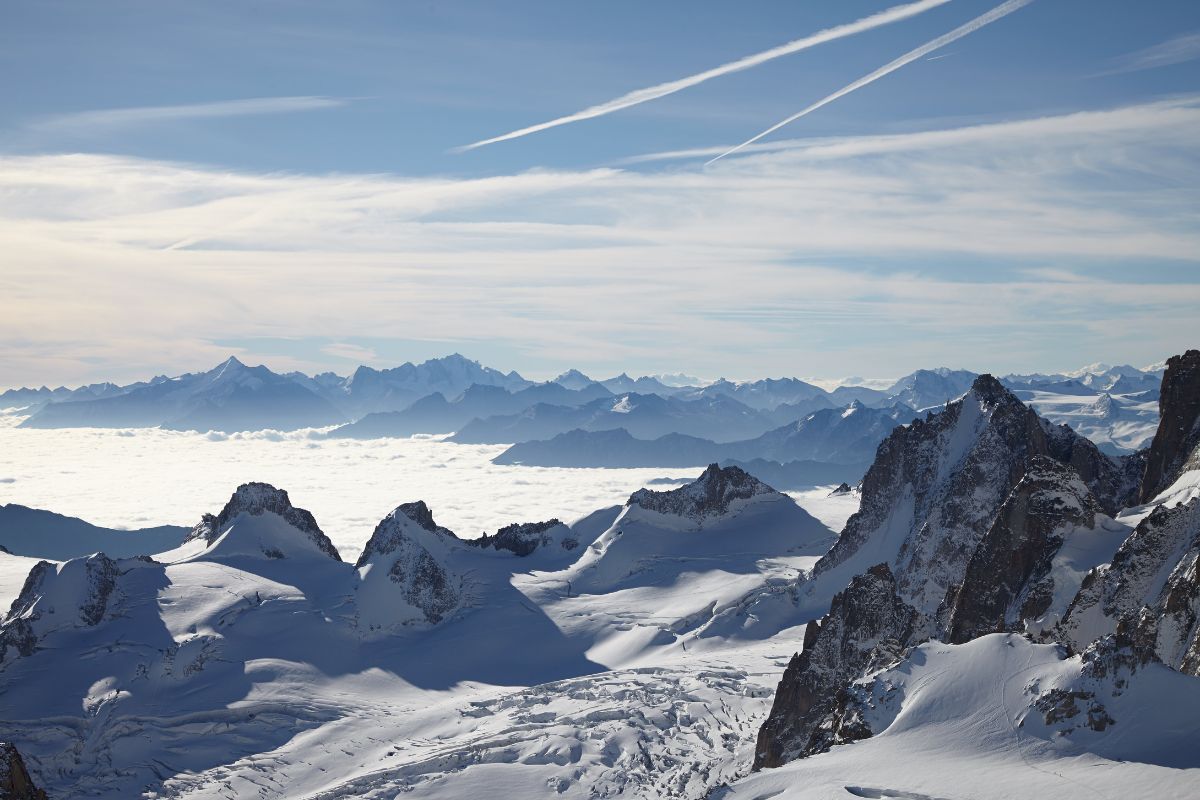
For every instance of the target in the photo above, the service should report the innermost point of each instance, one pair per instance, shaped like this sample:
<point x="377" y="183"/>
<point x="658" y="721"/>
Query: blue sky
<point x="181" y="180"/>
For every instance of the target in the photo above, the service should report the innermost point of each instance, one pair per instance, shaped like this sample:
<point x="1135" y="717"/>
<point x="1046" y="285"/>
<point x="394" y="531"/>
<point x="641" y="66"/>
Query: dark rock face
<point x="937" y="486"/>
<point x="1176" y="445"/>
<point x="255" y="499"/>
<point x="388" y="536"/>
<point x="405" y="539"/>
<point x="15" y="781"/>
<point x="868" y="625"/>
<point x="842" y="489"/>
<point x="708" y="496"/>
<point x="426" y="585"/>
<point x="524" y="538"/>
<point x="1006" y="578"/>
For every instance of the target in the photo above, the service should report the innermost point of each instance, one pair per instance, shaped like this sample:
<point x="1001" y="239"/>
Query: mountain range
<point x="1114" y="406"/>
<point x="1011" y="611"/>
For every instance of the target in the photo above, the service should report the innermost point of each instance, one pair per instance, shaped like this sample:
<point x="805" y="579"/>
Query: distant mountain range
<point x="1114" y="406"/>
<point x="832" y="437"/>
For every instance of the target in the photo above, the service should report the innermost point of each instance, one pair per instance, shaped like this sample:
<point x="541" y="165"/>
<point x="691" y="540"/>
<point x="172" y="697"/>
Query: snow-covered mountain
<point x="230" y="397"/>
<point x="370" y="390"/>
<point x="1011" y="612"/>
<point x="256" y="625"/>
<point x="986" y="519"/>
<point x="930" y="388"/>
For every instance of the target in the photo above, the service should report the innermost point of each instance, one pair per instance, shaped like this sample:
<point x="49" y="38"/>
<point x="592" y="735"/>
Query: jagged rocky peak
<point x="256" y="499"/>
<point x="710" y="495"/>
<point x="403" y="575"/>
<point x="936" y="486"/>
<point x="1176" y="445"/>
<point x="15" y="780"/>
<point x="523" y="538"/>
<point x="868" y="626"/>
<point x="394" y="529"/>
<point x="1008" y="577"/>
<point x="1152" y="584"/>
<point x="841" y="490"/>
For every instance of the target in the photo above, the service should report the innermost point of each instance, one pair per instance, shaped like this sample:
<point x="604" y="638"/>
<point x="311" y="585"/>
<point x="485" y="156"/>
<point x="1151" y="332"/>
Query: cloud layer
<point x="996" y="246"/>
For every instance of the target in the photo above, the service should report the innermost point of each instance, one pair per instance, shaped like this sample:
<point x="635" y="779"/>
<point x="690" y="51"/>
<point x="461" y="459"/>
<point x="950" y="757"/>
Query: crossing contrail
<point x="885" y="17"/>
<point x="996" y="13"/>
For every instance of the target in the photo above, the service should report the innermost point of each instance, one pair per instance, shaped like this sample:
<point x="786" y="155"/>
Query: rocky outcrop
<point x="404" y="579"/>
<point x="256" y="499"/>
<point x="1007" y="578"/>
<point x="389" y="535"/>
<point x="709" y="496"/>
<point x="1151" y="584"/>
<point x="937" y="486"/>
<point x="524" y="538"/>
<point x="84" y="585"/>
<point x="15" y="781"/>
<point x="867" y="626"/>
<point x="1176" y="445"/>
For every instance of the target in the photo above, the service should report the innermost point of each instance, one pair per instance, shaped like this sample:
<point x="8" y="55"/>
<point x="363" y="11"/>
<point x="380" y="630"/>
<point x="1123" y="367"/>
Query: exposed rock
<point x="1006" y="579"/>
<point x="255" y="499"/>
<point x="15" y="781"/>
<point x="867" y="626"/>
<point x="709" y="496"/>
<point x="841" y="490"/>
<point x="389" y="535"/>
<point x="937" y="485"/>
<point x="407" y="546"/>
<point x="1152" y="585"/>
<point x="1176" y="445"/>
<point x="86" y="584"/>
<point x="524" y="538"/>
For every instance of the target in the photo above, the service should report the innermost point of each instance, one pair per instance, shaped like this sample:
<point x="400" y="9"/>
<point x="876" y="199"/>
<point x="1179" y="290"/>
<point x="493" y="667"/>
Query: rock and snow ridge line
<point x="253" y="625"/>
<point x="975" y="511"/>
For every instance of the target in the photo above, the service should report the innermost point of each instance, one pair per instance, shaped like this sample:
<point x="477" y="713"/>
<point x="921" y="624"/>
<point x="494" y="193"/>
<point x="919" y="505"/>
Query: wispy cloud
<point x="885" y="17"/>
<point x="996" y="13"/>
<point x="1185" y="47"/>
<point x="141" y="115"/>
<point x="817" y="252"/>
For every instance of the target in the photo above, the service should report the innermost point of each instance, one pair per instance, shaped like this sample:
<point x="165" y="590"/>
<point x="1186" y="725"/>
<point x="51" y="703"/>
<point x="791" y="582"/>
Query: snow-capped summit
<point x="78" y="593"/>
<point x="261" y="520"/>
<point x="711" y="495"/>
<point x="403" y="577"/>
<point x="573" y="379"/>
<point x="937" y="484"/>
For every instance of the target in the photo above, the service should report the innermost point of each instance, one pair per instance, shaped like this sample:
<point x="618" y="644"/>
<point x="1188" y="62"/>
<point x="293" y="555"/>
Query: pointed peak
<point x="394" y="530"/>
<point x="420" y="514"/>
<point x="989" y="389"/>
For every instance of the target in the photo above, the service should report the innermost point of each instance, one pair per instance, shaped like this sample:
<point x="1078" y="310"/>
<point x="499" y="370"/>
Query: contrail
<point x="996" y="13"/>
<point x="885" y="17"/>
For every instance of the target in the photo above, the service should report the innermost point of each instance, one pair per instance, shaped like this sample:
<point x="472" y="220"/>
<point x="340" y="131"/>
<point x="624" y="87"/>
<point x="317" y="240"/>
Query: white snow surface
<point x="957" y="721"/>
